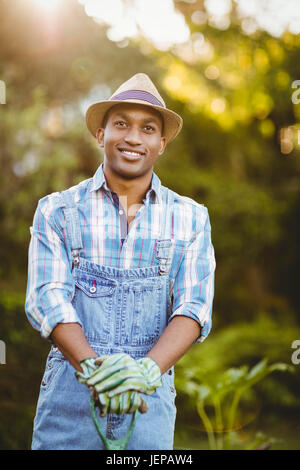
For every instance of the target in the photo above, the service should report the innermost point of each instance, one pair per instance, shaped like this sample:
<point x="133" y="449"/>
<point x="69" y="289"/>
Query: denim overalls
<point x="121" y="310"/>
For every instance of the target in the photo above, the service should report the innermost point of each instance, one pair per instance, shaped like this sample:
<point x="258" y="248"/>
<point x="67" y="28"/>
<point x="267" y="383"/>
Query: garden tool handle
<point x="112" y="444"/>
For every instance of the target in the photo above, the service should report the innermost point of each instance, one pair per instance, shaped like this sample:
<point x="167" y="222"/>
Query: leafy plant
<point x="224" y="396"/>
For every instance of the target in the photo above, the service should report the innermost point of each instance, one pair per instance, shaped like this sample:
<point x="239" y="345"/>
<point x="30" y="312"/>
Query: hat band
<point x="138" y="95"/>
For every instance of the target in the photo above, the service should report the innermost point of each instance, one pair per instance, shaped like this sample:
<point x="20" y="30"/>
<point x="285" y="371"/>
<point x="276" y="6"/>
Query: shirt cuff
<point x="66" y="314"/>
<point x="189" y="311"/>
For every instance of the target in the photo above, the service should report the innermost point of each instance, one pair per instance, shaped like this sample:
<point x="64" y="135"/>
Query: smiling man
<point x="121" y="281"/>
<point x="132" y="138"/>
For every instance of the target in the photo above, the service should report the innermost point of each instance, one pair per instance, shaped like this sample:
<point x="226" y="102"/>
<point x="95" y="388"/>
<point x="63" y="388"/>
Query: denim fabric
<point x="121" y="310"/>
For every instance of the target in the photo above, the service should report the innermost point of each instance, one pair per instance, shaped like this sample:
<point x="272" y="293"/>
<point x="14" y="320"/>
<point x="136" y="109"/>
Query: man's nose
<point x="132" y="136"/>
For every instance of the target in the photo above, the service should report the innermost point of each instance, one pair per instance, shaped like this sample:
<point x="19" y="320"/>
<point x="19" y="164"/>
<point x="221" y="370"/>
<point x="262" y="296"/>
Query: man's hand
<point x="125" y="402"/>
<point x="120" y="373"/>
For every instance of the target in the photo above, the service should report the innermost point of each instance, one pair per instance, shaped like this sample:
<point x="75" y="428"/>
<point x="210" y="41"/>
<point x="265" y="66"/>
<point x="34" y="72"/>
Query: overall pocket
<point x="93" y="302"/>
<point x="143" y="312"/>
<point x="53" y="365"/>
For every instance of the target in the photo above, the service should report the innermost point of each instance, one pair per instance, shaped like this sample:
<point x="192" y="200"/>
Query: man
<point x="121" y="281"/>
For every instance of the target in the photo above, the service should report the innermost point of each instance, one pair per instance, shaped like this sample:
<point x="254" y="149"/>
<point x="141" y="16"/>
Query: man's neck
<point x="131" y="192"/>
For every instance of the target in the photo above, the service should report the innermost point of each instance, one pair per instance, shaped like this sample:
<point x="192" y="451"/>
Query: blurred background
<point x="231" y="68"/>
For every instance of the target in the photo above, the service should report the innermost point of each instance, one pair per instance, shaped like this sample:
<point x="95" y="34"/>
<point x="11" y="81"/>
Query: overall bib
<point x="121" y="310"/>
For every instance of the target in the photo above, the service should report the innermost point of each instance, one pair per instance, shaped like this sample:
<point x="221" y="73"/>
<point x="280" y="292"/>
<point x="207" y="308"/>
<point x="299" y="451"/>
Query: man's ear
<point x="162" y="146"/>
<point x="100" y="136"/>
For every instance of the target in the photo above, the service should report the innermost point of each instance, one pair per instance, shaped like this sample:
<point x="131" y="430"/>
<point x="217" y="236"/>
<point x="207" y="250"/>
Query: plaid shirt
<point x="107" y="240"/>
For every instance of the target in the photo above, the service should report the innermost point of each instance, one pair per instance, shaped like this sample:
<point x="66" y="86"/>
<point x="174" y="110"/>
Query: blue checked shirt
<point x="107" y="240"/>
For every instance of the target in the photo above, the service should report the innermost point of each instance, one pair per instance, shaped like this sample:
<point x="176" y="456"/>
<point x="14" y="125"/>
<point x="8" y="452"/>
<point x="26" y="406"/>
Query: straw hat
<point x="138" y="89"/>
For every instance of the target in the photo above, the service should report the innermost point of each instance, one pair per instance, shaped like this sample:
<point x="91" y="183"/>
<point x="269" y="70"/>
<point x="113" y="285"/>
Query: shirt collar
<point x="99" y="182"/>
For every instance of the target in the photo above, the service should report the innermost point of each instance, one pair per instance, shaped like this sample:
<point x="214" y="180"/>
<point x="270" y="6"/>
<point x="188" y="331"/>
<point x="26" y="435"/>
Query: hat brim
<point x="96" y="112"/>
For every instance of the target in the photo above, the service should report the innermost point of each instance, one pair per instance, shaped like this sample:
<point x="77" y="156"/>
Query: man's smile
<point x="131" y="154"/>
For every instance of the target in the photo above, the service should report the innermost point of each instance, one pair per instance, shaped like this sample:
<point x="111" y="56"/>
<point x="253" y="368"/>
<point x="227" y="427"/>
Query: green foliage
<point x="228" y="383"/>
<point x="232" y="383"/>
<point x="21" y="376"/>
<point x="236" y="345"/>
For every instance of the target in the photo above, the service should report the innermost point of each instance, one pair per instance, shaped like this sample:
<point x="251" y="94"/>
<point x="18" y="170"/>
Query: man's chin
<point x="129" y="171"/>
<point x="130" y="174"/>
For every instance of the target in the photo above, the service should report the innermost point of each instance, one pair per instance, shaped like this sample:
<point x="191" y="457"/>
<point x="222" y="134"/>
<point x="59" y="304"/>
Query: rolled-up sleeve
<point x="193" y="287"/>
<point x="50" y="286"/>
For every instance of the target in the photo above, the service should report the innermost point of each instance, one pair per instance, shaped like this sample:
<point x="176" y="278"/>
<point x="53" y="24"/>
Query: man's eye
<point x="120" y="123"/>
<point x="149" y="128"/>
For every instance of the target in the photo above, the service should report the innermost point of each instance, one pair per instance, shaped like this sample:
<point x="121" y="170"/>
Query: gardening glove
<point x="91" y="364"/>
<point x="120" y="372"/>
<point x="88" y="366"/>
<point x="127" y="402"/>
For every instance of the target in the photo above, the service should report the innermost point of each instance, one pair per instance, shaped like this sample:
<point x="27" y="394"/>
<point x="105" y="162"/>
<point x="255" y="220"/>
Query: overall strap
<point x="167" y="215"/>
<point x="72" y="224"/>
<point x="165" y="242"/>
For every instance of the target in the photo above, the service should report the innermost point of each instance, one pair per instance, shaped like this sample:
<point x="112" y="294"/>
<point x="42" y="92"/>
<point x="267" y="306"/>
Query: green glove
<point x="88" y="367"/>
<point x="91" y="364"/>
<point x="127" y="402"/>
<point x="115" y="363"/>
<point x="120" y="372"/>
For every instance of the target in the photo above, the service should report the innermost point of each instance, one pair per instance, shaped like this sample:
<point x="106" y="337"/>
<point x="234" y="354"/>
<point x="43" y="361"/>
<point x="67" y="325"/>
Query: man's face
<point x="132" y="140"/>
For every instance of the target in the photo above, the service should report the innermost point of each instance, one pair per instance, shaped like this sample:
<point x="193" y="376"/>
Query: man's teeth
<point x="135" y="154"/>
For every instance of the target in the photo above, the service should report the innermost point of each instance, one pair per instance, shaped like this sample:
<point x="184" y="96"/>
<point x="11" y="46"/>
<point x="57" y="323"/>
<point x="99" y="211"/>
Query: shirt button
<point x="93" y="290"/>
<point x="121" y="212"/>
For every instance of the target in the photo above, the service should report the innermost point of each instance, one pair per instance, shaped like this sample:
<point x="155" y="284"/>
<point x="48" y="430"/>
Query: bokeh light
<point x="273" y="16"/>
<point x="47" y="5"/>
<point x="158" y="21"/>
